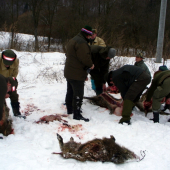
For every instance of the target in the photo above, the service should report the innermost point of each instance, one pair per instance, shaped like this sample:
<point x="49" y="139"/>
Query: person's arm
<point x="15" y="71"/>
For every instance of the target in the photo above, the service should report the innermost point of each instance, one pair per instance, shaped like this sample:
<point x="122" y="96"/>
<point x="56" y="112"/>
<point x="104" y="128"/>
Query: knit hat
<point x="94" y="31"/>
<point x="140" y="55"/>
<point x="111" y="53"/>
<point x="8" y="57"/>
<point x="14" y="83"/>
<point x="163" y="68"/>
<point x="87" y="30"/>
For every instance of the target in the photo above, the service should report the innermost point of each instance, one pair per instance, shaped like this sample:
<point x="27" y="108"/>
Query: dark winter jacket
<point x="3" y="91"/>
<point x="142" y="65"/>
<point x="99" y="55"/>
<point x="78" y="58"/>
<point x="125" y="76"/>
<point x="156" y="82"/>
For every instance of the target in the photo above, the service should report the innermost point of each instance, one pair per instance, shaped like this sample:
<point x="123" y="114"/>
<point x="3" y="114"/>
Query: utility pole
<point x="160" y="40"/>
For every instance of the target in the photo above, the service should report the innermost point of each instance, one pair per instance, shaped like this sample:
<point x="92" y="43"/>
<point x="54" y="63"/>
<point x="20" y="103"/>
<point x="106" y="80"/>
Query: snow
<point x="42" y="89"/>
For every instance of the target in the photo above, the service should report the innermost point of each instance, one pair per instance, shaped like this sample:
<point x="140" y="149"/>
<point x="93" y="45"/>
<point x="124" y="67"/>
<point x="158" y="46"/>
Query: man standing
<point x="95" y="40"/>
<point x="78" y="60"/>
<point x="9" y="68"/>
<point x="101" y="58"/>
<point x="131" y="82"/>
<point x="140" y="63"/>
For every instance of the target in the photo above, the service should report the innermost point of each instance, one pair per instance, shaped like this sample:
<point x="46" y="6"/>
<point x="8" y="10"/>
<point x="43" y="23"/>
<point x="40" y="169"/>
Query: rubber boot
<point x="69" y="109"/>
<point x="77" y="116"/>
<point x="127" y="111"/>
<point x="15" y="108"/>
<point x="155" y="117"/>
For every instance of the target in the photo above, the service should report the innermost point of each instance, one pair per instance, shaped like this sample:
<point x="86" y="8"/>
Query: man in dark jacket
<point x="78" y="60"/>
<point x="160" y="88"/>
<point x="101" y="58"/>
<point x="131" y="81"/>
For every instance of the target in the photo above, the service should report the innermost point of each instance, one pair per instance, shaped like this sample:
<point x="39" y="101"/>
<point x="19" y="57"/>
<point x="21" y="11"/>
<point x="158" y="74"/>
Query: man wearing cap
<point x="95" y="40"/>
<point x="101" y="58"/>
<point x="131" y="82"/>
<point x="140" y="63"/>
<point x="7" y="84"/>
<point x="78" y="60"/>
<point x="160" y="88"/>
<point x="9" y="68"/>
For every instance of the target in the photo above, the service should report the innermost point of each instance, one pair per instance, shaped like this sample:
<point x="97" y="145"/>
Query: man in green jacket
<point x="101" y="58"/>
<point x="9" y="64"/>
<point x="160" y="88"/>
<point x="78" y="60"/>
<point x="131" y="82"/>
<point x="140" y="63"/>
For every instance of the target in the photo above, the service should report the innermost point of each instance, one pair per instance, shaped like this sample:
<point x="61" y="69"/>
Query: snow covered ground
<point x="42" y="89"/>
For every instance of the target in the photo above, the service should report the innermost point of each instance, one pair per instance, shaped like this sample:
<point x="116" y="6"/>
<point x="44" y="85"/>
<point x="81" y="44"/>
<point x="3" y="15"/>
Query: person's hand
<point x="104" y="88"/>
<point x="147" y="104"/>
<point x="86" y="79"/>
<point x="92" y="67"/>
<point x="7" y="95"/>
<point x="1" y="122"/>
<point x="168" y="101"/>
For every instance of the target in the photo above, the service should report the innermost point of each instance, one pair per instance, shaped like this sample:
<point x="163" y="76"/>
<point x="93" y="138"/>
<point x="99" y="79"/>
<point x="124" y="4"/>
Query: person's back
<point x="77" y="58"/>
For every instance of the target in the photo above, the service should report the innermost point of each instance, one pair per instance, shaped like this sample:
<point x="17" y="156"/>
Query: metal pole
<point x="160" y="40"/>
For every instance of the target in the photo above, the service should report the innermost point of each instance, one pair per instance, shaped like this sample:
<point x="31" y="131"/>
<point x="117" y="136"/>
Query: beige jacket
<point x="99" y="41"/>
<point x="12" y="71"/>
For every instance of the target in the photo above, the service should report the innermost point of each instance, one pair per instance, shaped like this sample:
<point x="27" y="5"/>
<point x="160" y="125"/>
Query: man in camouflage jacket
<point x="9" y="64"/>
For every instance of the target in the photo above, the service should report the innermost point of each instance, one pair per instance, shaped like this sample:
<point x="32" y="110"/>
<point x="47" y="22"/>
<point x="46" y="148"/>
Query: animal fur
<point x="6" y="128"/>
<point x="105" y="100"/>
<point x="104" y="150"/>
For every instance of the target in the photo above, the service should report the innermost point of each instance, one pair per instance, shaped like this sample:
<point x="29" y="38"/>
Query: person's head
<point x="111" y="53"/>
<point x="87" y="31"/>
<point x="139" y="57"/>
<point x="8" y="57"/>
<point x="163" y="68"/>
<point x="12" y="84"/>
<point x="94" y="33"/>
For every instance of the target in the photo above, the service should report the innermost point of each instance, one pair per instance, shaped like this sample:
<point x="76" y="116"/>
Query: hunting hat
<point x="8" y="57"/>
<point x="94" y="31"/>
<point x="163" y="68"/>
<point x="140" y="55"/>
<point x="14" y="83"/>
<point x="87" y="30"/>
<point x="111" y="53"/>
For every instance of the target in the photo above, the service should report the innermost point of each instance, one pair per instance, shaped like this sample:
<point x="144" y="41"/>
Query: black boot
<point x="15" y="108"/>
<point x="77" y="115"/>
<point x="155" y="117"/>
<point x="69" y="109"/>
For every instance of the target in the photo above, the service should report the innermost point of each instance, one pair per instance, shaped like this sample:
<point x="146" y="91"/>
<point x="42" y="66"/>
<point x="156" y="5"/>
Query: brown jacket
<point x="78" y="58"/>
<point x="12" y="71"/>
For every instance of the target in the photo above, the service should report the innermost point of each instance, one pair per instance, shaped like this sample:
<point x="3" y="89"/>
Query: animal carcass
<point x="104" y="150"/>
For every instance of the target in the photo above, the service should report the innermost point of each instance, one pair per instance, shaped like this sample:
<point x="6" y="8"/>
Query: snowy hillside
<point x="42" y="89"/>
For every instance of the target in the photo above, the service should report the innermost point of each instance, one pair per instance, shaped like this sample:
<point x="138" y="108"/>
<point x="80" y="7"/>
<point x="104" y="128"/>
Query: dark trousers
<point x="75" y="93"/>
<point x="14" y="96"/>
